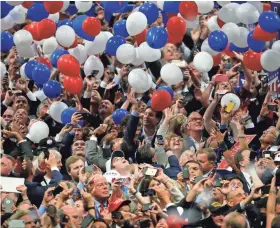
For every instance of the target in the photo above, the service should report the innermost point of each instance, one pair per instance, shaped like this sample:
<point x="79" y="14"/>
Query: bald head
<point x="235" y="220"/>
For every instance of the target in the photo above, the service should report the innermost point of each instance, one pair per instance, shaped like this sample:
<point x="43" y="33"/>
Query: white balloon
<point x="14" y="3"/>
<point x="136" y="23"/>
<point x="247" y="13"/>
<point x="98" y="45"/>
<point x="25" y="51"/>
<point x="204" y="6"/>
<point x="160" y="4"/>
<point x="258" y="5"/>
<point x="228" y="13"/>
<point x="192" y="24"/>
<point x="276" y="46"/>
<point x="83" y="6"/>
<point x="79" y="53"/>
<point x="3" y="69"/>
<point x="171" y="74"/>
<point x="22" y="37"/>
<point x="125" y="53"/>
<point x="212" y="24"/>
<point x="94" y="63"/>
<point x="23" y="9"/>
<point x="242" y="39"/>
<point x="223" y="3"/>
<point x="65" y="35"/>
<point x="40" y="95"/>
<point x="270" y="60"/>
<point x="137" y="60"/>
<point x="18" y="15"/>
<point x="232" y="31"/>
<point x="108" y="34"/>
<point x="22" y="71"/>
<point x="56" y="109"/>
<point x="65" y="6"/>
<point x="139" y="80"/>
<point x="49" y="45"/>
<point x="203" y="61"/>
<point x="147" y="53"/>
<point x="7" y="23"/>
<point x="38" y="131"/>
<point x="206" y="48"/>
<point x="54" y="17"/>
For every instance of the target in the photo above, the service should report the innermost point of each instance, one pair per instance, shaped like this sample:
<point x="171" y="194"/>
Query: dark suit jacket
<point x="245" y="183"/>
<point x="22" y="149"/>
<point x="35" y="191"/>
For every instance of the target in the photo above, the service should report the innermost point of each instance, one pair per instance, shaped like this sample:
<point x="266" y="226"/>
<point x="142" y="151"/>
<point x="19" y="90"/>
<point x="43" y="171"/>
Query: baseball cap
<point x="217" y="208"/>
<point x="116" y="154"/>
<point x="117" y="203"/>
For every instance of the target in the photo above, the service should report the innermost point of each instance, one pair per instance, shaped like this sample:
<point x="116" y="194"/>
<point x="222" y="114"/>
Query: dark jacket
<point x="15" y="150"/>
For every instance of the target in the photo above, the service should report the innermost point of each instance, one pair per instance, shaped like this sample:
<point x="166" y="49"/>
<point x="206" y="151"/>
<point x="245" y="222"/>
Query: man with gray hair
<point x="235" y="220"/>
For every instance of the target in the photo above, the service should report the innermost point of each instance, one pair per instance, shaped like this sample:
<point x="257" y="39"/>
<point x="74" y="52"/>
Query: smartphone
<point x="76" y="194"/>
<point x="46" y="153"/>
<point x="186" y="174"/>
<point x="265" y="189"/>
<point x="197" y="179"/>
<point x="111" y="68"/>
<point x="88" y="220"/>
<point x="273" y="148"/>
<point x="57" y="190"/>
<point x="245" y="120"/>
<point x="218" y="183"/>
<point x="146" y="207"/>
<point x="272" y="107"/>
<point x="180" y="63"/>
<point x="16" y="224"/>
<point x="94" y="73"/>
<point x="149" y="192"/>
<point x="150" y="171"/>
<point x="229" y="107"/>
<point x="117" y="215"/>
<point x="8" y="204"/>
<point x="160" y="140"/>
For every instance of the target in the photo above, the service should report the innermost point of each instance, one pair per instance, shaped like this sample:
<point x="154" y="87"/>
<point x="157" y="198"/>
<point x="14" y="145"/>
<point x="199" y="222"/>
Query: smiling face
<point x="105" y="108"/>
<point x="269" y="136"/>
<point x="78" y="148"/>
<point x="21" y="102"/>
<point x="150" y="119"/>
<point x="195" y="122"/>
<point x="176" y="143"/>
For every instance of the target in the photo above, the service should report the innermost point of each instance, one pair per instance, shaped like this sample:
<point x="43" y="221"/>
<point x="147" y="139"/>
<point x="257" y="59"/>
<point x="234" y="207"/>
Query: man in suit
<point x="193" y="130"/>
<point x="207" y="159"/>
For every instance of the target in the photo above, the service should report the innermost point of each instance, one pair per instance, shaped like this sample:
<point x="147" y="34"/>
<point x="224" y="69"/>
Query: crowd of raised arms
<point x="140" y="114"/>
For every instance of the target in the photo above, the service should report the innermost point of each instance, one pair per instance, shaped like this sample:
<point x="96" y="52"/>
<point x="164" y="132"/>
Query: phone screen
<point x="229" y="107"/>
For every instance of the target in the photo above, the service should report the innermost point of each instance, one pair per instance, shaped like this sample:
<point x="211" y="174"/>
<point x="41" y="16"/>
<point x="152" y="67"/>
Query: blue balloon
<point x="218" y="40"/>
<point x="150" y="10"/>
<point x="66" y="115"/>
<point x="37" y="12"/>
<point x="168" y="89"/>
<point x="56" y="55"/>
<point x="114" y="6"/>
<point x="72" y="9"/>
<point x="64" y="22"/>
<point x="120" y="28"/>
<point x="255" y="45"/>
<point x="164" y="17"/>
<point x="78" y="27"/>
<point x="238" y="2"/>
<point x="30" y="65"/>
<point x="107" y="16"/>
<point x="233" y="47"/>
<point x="113" y="44"/>
<point x="91" y="12"/>
<point x="52" y="89"/>
<point x="171" y="7"/>
<point x="156" y="37"/>
<point x="5" y="8"/>
<point x="269" y="21"/>
<point x="7" y="41"/>
<point x="41" y="74"/>
<point x="118" y="115"/>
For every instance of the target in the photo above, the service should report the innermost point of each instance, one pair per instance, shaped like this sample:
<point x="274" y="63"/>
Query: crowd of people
<point x="197" y="163"/>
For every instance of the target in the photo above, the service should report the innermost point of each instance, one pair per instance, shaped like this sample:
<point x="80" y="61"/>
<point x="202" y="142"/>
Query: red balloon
<point x="161" y="100"/>
<point x="266" y="6"/>
<point x="220" y="22"/>
<point x="53" y="6"/>
<point x="188" y="10"/>
<point x="47" y="28"/>
<point x="217" y="59"/>
<point x="262" y="35"/>
<point x="73" y="85"/>
<point x="141" y="37"/>
<point x="33" y="28"/>
<point x="174" y="39"/>
<point x="252" y="60"/>
<point x="91" y="26"/>
<point x="176" y="25"/>
<point x="68" y="65"/>
<point x="27" y="4"/>
<point x="228" y="52"/>
<point x="45" y="61"/>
